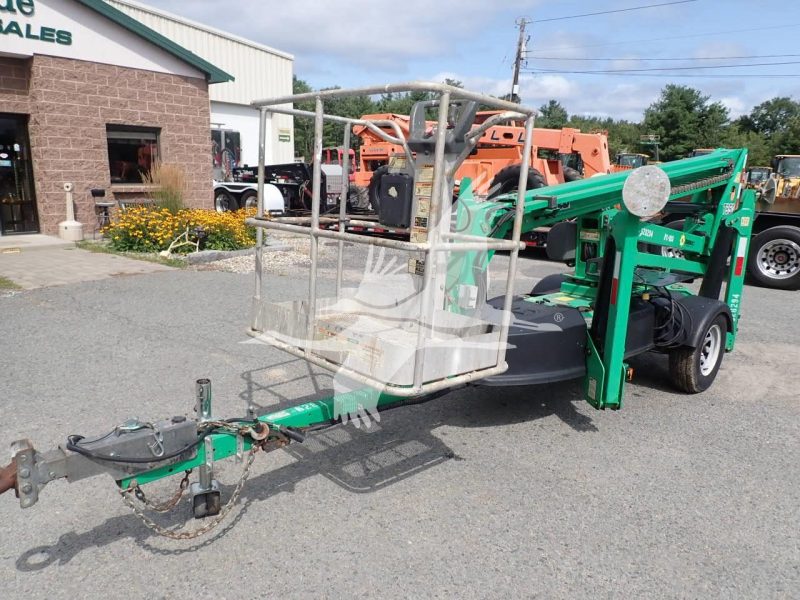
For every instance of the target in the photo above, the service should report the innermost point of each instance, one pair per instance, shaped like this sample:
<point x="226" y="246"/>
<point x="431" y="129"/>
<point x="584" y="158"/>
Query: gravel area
<point x="277" y="262"/>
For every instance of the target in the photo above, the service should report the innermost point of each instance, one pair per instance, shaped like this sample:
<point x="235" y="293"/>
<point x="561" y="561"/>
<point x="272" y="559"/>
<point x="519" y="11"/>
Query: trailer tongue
<point x="420" y="321"/>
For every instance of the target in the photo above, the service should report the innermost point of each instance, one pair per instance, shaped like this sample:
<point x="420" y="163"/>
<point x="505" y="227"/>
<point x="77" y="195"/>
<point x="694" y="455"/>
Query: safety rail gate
<point x="406" y="332"/>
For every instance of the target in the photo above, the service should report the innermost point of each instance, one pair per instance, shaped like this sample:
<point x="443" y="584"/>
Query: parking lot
<point x="515" y="492"/>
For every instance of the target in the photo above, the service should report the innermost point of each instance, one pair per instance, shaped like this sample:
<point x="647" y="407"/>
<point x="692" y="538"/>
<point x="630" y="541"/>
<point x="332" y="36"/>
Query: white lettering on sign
<point x="645" y="232"/>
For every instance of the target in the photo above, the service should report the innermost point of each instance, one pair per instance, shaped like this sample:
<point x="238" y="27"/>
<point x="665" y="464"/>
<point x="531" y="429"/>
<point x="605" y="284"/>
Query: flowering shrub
<point x="146" y="229"/>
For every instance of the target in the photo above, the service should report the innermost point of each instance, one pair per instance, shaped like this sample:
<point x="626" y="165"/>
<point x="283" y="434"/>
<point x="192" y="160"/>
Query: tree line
<point x="681" y="120"/>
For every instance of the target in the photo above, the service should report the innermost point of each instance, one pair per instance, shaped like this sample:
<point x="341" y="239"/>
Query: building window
<point x="132" y="152"/>
<point x="226" y="152"/>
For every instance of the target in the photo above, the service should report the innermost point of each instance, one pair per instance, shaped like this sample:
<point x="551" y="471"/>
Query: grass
<point x="104" y="248"/>
<point x="7" y="284"/>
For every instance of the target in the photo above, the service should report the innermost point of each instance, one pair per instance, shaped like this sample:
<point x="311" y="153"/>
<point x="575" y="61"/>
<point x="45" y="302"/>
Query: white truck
<point x="287" y="188"/>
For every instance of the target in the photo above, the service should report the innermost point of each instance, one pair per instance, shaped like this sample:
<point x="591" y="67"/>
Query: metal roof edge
<point x="213" y="74"/>
<point x="206" y="28"/>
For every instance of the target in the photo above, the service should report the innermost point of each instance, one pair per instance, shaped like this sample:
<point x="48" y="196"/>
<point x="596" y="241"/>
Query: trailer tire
<point x="571" y="174"/>
<point x="693" y="370"/>
<point x="358" y="197"/>
<point x="224" y="201"/>
<point x="774" y="260"/>
<point x="249" y="199"/>
<point x="507" y="180"/>
<point x="374" y="189"/>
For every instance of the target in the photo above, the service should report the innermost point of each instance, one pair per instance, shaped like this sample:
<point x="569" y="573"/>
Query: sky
<point x="369" y="42"/>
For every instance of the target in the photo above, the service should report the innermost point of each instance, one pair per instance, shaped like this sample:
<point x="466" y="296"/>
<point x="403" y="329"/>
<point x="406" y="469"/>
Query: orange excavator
<point x="557" y="156"/>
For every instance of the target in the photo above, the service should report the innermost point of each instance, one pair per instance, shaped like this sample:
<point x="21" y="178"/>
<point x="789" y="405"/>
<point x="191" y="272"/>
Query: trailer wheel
<point x="374" y="189"/>
<point x="774" y="259"/>
<point x="507" y="180"/>
<point x="693" y="370"/>
<point x="223" y="201"/>
<point x="250" y="199"/>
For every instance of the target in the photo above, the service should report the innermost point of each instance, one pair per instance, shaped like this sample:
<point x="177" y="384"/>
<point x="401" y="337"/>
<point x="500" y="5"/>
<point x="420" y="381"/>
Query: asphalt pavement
<point x="482" y="493"/>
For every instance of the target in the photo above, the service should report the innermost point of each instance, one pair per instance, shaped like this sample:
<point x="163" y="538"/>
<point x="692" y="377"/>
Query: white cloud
<point x="367" y="34"/>
<point x="540" y="88"/>
<point x="368" y="41"/>
<point x="715" y="49"/>
<point x="736" y="106"/>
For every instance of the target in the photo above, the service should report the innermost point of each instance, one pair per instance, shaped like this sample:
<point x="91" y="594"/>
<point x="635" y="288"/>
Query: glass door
<point x="17" y="199"/>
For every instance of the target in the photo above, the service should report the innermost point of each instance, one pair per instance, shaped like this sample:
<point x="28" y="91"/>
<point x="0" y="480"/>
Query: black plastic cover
<point x="546" y="343"/>
<point x="396" y="199"/>
<point x="641" y="328"/>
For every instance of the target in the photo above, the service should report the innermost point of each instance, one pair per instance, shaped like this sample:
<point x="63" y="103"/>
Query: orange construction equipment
<point x="500" y="147"/>
<point x="334" y="156"/>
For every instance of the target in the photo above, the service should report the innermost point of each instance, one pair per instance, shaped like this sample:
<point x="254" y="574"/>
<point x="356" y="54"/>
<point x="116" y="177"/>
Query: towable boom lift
<point x="431" y="326"/>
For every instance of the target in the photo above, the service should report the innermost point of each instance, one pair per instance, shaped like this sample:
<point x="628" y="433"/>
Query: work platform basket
<point x="404" y="312"/>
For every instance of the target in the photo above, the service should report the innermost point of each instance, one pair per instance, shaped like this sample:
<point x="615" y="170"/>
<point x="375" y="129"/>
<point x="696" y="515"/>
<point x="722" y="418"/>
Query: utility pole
<point x="521" y="23"/>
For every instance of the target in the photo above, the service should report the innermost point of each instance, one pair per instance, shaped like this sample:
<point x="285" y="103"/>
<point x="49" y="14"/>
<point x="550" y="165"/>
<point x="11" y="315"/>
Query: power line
<point x="674" y="37"/>
<point x="608" y="12"/>
<point x="648" y="59"/>
<point x="671" y="75"/>
<point x="768" y="64"/>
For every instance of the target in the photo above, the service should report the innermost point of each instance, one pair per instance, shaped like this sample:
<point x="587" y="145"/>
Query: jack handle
<point x="8" y="477"/>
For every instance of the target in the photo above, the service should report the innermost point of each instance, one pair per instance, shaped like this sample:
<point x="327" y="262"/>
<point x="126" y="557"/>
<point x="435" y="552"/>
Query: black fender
<point x="549" y="284"/>
<point x="703" y="311"/>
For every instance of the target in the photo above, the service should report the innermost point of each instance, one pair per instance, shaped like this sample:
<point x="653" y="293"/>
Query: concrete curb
<point x="207" y="256"/>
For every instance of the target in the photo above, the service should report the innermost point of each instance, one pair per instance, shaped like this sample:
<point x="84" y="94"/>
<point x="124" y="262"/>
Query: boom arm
<point x="609" y="264"/>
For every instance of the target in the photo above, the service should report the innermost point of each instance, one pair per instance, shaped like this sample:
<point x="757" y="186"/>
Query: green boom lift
<point x="394" y="348"/>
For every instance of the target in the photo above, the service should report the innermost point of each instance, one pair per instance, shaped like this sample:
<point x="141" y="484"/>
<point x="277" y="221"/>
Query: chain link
<point x="695" y="185"/>
<point x="209" y="525"/>
<point x="165" y="506"/>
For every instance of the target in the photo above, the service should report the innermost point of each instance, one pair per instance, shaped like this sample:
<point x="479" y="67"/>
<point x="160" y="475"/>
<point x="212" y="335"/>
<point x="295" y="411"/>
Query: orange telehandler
<point x="494" y="165"/>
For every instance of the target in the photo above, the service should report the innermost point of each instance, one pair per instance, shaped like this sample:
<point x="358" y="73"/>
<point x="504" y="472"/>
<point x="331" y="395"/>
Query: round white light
<point x="646" y="191"/>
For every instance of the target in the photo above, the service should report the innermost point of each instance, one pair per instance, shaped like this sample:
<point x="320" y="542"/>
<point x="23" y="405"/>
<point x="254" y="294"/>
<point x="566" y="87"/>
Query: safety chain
<point x="161" y="507"/>
<point x="209" y="525"/>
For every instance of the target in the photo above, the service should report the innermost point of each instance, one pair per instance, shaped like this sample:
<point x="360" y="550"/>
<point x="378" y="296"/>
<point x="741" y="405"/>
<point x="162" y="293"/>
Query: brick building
<point x="90" y="96"/>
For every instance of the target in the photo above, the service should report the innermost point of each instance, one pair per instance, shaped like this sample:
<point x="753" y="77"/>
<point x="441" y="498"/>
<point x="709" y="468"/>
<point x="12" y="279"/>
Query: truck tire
<point x="224" y="201"/>
<point x="693" y="370"/>
<point x="358" y="197"/>
<point x="571" y="174"/>
<point x="374" y="189"/>
<point x="774" y="259"/>
<point x="249" y="199"/>
<point x="507" y="180"/>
